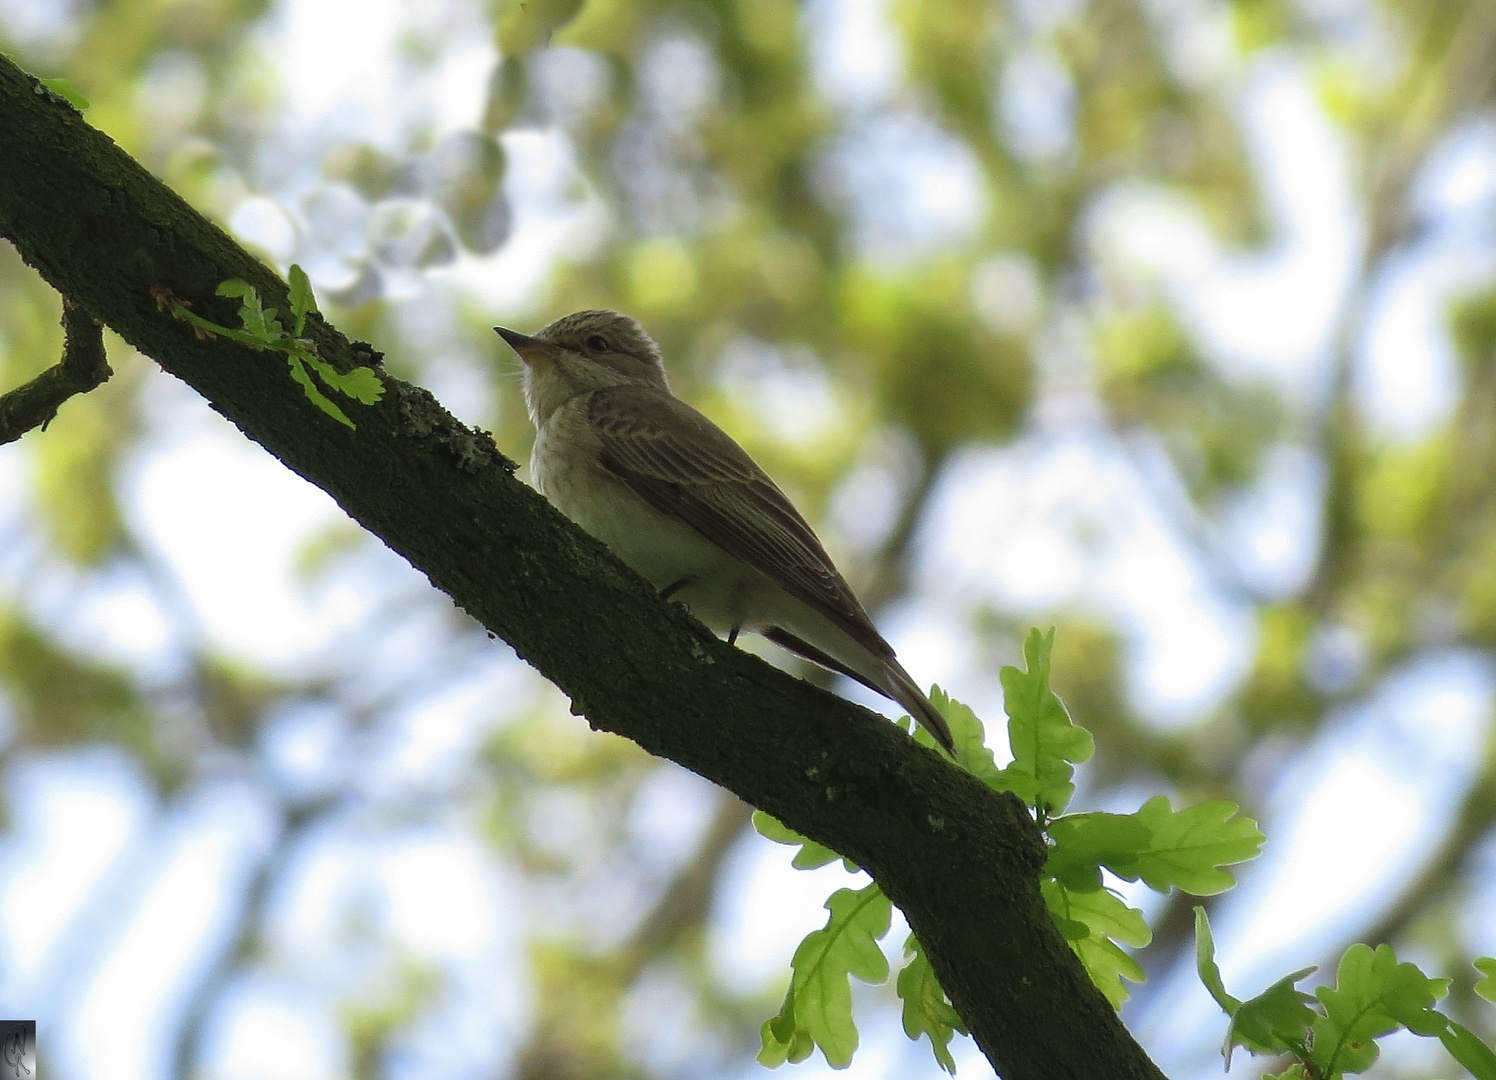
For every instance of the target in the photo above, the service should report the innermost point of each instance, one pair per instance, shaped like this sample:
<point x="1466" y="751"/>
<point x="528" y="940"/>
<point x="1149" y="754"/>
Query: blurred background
<point x="1170" y="323"/>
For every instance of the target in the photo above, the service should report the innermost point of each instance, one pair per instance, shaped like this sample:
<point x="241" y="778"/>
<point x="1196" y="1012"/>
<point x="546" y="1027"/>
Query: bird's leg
<point x="732" y="635"/>
<point x="674" y="587"/>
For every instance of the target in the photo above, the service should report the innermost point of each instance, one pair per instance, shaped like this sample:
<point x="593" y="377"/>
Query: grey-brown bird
<point x="683" y="504"/>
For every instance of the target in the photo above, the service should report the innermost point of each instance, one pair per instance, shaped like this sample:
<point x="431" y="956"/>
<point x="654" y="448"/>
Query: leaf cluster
<point x="260" y="328"/>
<point x="1333" y="1032"/>
<point x="817" y="1009"/>
<point x="1330" y="1034"/>
<point x="1158" y="845"/>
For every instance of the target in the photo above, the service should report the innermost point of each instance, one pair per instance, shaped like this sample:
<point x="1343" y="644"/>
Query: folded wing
<point x="683" y="465"/>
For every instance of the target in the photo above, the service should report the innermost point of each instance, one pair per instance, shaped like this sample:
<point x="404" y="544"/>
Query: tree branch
<point x="83" y="368"/>
<point x="960" y="860"/>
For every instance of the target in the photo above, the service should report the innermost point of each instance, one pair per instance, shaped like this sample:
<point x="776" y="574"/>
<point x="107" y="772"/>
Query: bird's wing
<point x="683" y="465"/>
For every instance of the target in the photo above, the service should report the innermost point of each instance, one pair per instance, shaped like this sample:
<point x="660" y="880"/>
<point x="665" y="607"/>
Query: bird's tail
<point x="888" y="678"/>
<point x="903" y="689"/>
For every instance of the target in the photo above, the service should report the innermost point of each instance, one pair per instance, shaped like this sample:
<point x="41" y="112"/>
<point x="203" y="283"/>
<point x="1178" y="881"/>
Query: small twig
<point x="82" y="368"/>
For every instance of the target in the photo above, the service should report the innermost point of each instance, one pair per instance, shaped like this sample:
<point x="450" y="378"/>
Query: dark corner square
<point x="17" y="1049"/>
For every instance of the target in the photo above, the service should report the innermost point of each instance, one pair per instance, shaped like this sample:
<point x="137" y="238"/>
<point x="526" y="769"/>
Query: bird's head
<point x="584" y="351"/>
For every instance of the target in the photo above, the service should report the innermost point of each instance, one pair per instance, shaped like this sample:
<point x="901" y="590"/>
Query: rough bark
<point x="83" y="367"/>
<point x="961" y="861"/>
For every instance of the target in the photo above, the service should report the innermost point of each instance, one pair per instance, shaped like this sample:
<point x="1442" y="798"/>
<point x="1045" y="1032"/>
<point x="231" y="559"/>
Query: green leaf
<point x="261" y="328"/>
<point x="1093" y="923"/>
<point x="1372" y="996"/>
<point x="781" y="1040"/>
<point x="1466" y="1048"/>
<point x="969" y="735"/>
<point x="1083" y="843"/>
<point x="818" y="1004"/>
<point x="1190" y="846"/>
<point x="926" y="1010"/>
<point x="64" y="89"/>
<point x="1045" y="743"/>
<point x="1486" y="987"/>
<point x="362" y="384"/>
<point x="1107" y="914"/>
<point x="1108" y="964"/>
<point x="1205" y="964"/>
<point x="1164" y="847"/>
<point x="257" y="321"/>
<point x="1275" y="1021"/>
<point x="303" y="303"/>
<point x="313" y="394"/>
<point x="810" y="855"/>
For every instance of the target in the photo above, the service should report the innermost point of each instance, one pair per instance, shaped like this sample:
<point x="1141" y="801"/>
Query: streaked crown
<point x="611" y="340"/>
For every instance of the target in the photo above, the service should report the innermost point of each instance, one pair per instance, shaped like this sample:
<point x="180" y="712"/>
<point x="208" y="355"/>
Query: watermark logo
<point x="17" y="1049"/>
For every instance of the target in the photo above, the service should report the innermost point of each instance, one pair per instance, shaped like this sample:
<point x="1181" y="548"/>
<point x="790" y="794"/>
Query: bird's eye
<point x="597" y="343"/>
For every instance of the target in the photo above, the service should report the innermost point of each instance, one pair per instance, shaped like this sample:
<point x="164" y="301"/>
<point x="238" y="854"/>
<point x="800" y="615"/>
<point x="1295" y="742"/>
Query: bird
<point x="680" y="502"/>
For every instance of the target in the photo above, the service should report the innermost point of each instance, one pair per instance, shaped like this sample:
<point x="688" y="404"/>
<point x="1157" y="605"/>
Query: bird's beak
<point x="529" y="349"/>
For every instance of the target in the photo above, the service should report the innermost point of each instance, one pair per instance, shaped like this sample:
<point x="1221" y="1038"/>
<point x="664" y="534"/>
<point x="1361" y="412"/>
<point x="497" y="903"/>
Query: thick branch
<point x="83" y="368"/>
<point x="960" y="860"/>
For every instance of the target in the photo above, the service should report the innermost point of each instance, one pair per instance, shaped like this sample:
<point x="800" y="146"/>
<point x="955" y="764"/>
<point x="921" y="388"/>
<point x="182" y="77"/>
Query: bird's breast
<point x="565" y="469"/>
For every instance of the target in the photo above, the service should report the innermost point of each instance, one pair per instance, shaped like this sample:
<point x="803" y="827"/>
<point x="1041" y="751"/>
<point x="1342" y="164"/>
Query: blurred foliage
<point x="1153" y="379"/>
<point x="754" y="215"/>
<point x="385" y="1012"/>
<point x="61" y="698"/>
<point x="1277" y="692"/>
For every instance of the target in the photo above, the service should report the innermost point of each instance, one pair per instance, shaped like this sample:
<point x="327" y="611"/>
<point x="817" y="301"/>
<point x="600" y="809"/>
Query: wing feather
<point x="683" y="465"/>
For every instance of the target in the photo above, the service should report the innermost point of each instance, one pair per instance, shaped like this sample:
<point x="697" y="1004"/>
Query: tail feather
<point x="894" y="684"/>
<point x="800" y="647"/>
<point x="902" y="689"/>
